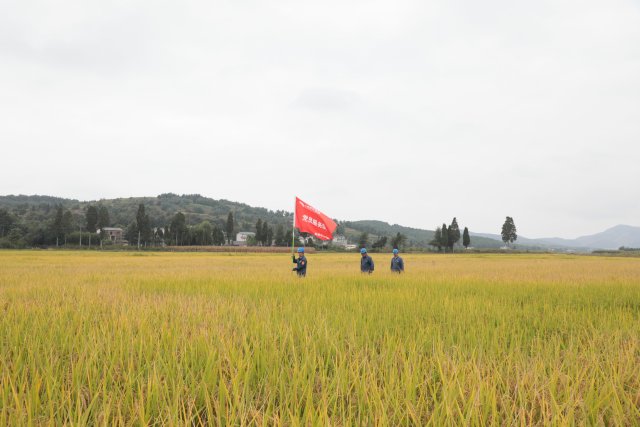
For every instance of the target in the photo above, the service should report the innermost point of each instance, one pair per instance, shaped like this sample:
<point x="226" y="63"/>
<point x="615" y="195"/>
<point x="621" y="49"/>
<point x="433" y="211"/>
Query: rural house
<point x="116" y="235"/>
<point x="340" y="240"/>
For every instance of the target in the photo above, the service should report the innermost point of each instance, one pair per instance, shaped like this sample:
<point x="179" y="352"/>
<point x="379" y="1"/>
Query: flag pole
<point x="293" y="228"/>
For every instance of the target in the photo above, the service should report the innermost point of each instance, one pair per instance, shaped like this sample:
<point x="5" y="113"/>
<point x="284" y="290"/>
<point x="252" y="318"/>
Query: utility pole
<point x="80" y="236"/>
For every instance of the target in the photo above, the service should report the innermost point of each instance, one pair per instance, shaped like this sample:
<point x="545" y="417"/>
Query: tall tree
<point x="280" y="239"/>
<point x="466" y="240"/>
<point x="509" y="232"/>
<point x="289" y="237"/>
<point x="143" y="225"/>
<point x="57" y="226"/>
<point x="454" y="233"/>
<point x="204" y="233"/>
<point x="437" y="239"/>
<point x="380" y="243"/>
<point x="270" y="236"/>
<point x="218" y="236"/>
<point x="398" y="241"/>
<point x="103" y="217"/>
<point x="445" y="237"/>
<point x="265" y="234"/>
<point x="131" y="233"/>
<point x="178" y="228"/>
<point x="67" y="224"/>
<point x="363" y="241"/>
<point x="259" y="231"/>
<point x="229" y="228"/>
<point x="6" y="222"/>
<point x="91" y="217"/>
<point x="15" y="238"/>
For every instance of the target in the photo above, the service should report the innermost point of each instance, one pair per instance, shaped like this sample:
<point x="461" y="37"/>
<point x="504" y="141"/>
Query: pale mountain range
<point x="612" y="238"/>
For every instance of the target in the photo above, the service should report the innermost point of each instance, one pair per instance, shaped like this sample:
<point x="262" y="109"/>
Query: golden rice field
<point x="235" y="339"/>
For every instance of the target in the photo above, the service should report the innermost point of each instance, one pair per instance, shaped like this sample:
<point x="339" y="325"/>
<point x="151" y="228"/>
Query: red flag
<point x="312" y="221"/>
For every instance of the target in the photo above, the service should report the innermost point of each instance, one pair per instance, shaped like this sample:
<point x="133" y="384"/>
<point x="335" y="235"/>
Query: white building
<point x="243" y="236"/>
<point x="340" y="240"/>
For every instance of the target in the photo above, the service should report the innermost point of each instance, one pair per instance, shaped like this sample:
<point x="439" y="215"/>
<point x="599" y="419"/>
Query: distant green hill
<point x="36" y="212"/>
<point x="160" y="209"/>
<point x="197" y="209"/>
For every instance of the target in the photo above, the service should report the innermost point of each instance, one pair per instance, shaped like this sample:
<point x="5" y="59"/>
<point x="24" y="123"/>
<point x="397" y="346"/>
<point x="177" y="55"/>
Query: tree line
<point x="395" y="242"/>
<point x="445" y="238"/>
<point x="64" y="228"/>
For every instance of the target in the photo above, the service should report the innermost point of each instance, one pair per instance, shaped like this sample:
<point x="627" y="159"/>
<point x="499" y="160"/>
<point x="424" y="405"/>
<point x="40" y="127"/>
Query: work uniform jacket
<point x="301" y="265"/>
<point x="366" y="264"/>
<point x="397" y="264"/>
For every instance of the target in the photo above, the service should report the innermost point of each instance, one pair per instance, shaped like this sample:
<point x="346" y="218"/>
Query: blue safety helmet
<point x="363" y="251"/>
<point x="300" y="250"/>
<point x="395" y="251"/>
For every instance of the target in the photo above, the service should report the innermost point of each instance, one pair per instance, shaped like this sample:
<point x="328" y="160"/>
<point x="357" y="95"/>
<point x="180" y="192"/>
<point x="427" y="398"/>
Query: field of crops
<point x="209" y="338"/>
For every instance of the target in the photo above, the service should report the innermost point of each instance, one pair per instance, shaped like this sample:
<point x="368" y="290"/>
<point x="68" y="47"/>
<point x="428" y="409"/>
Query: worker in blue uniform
<point x="300" y="262"/>
<point x="397" y="264"/>
<point x="366" y="262"/>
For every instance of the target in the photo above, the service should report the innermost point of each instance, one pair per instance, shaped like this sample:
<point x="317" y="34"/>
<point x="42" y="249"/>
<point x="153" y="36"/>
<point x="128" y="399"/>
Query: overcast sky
<point x="411" y="112"/>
